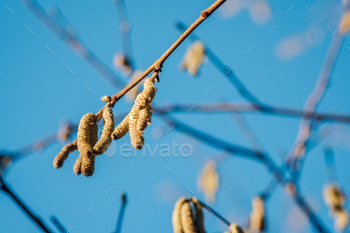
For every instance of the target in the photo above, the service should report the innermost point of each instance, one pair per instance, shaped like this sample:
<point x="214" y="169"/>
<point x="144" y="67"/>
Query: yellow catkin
<point x="136" y="136"/>
<point x="333" y="196"/>
<point x="105" y="140"/>
<point x="87" y="138"/>
<point x="121" y="129"/>
<point x="187" y="218"/>
<point x="341" y="219"/>
<point x="77" y="164"/>
<point x="145" y="117"/>
<point x="257" y="216"/>
<point x="177" y="225"/>
<point x="345" y="23"/>
<point x="199" y="222"/>
<point x="209" y="181"/>
<point x="234" y="228"/>
<point x="63" y="155"/>
<point x="194" y="57"/>
<point x="146" y="97"/>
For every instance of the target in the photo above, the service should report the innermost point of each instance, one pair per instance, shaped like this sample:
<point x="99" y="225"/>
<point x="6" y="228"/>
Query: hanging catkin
<point x="121" y="129"/>
<point x="105" y="140"/>
<point x="194" y="57"/>
<point x="257" y="216"/>
<point x="87" y="138"/>
<point x="187" y="218"/>
<point x="209" y="181"/>
<point x="145" y="118"/>
<point x="136" y="136"/>
<point x="62" y="156"/>
<point x="177" y="225"/>
<point x="77" y="164"/>
<point x="234" y="228"/>
<point x="199" y="221"/>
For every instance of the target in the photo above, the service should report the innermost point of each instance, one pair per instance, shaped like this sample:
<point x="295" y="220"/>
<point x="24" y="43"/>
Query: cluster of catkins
<point x="335" y="200"/>
<point x="187" y="219"/>
<point x="87" y="141"/>
<point x="257" y="222"/>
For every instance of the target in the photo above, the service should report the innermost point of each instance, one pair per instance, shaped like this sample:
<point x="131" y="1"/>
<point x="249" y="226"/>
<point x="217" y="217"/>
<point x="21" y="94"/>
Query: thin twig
<point x="58" y="224"/>
<point x="121" y="213"/>
<point x="157" y="65"/>
<point x="23" y="206"/>
<point x="74" y="43"/>
<point x="216" y="214"/>
<point x="125" y="30"/>
<point x="224" y="69"/>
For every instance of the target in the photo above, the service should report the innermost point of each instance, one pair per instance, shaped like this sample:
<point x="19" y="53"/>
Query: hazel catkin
<point x="77" y="164"/>
<point x="234" y="228"/>
<point x="199" y="221"/>
<point x="257" y="216"/>
<point x="136" y="136"/>
<point x="177" y="225"/>
<point x="194" y="58"/>
<point x="63" y="155"/>
<point x="87" y="138"/>
<point x="187" y="218"/>
<point x="121" y="129"/>
<point x="105" y="140"/>
<point x="145" y="118"/>
<point x="209" y="181"/>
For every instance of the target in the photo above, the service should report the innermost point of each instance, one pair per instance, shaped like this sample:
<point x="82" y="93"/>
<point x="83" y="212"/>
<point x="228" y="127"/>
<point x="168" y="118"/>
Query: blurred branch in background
<point x="71" y="39"/>
<point x="227" y="71"/>
<point x="306" y="125"/>
<point x="58" y="224"/>
<point x="125" y="31"/>
<point x="330" y="164"/>
<point x="124" y="199"/>
<point x="216" y="214"/>
<point x="4" y="187"/>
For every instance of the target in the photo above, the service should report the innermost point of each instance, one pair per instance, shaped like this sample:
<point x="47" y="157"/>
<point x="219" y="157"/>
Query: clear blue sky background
<point x="37" y="92"/>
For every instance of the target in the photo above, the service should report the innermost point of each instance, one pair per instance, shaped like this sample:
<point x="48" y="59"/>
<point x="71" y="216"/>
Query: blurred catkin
<point x="105" y="140"/>
<point x="63" y="155"/>
<point x="87" y="138"/>
<point x="121" y="62"/>
<point x="193" y="58"/>
<point x="345" y="23"/>
<point x="177" y="225"/>
<point x="335" y="200"/>
<point x="187" y="218"/>
<point x="234" y="228"/>
<point x="257" y="216"/>
<point x="209" y="181"/>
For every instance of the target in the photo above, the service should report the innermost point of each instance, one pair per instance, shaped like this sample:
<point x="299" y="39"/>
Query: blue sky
<point x="37" y="91"/>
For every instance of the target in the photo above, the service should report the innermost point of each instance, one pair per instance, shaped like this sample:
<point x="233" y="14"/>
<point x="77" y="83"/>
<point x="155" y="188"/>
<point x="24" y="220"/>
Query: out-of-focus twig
<point x="23" y="206"/>
<point x="58" y="224"/>
<point x="225" y="70"/>
<point x="125" y="30"/>
<point x="330" y="164"/>
<point x="74" y="43"/>
<point x="306" y="125"/>
<point x="121" y="213"/>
